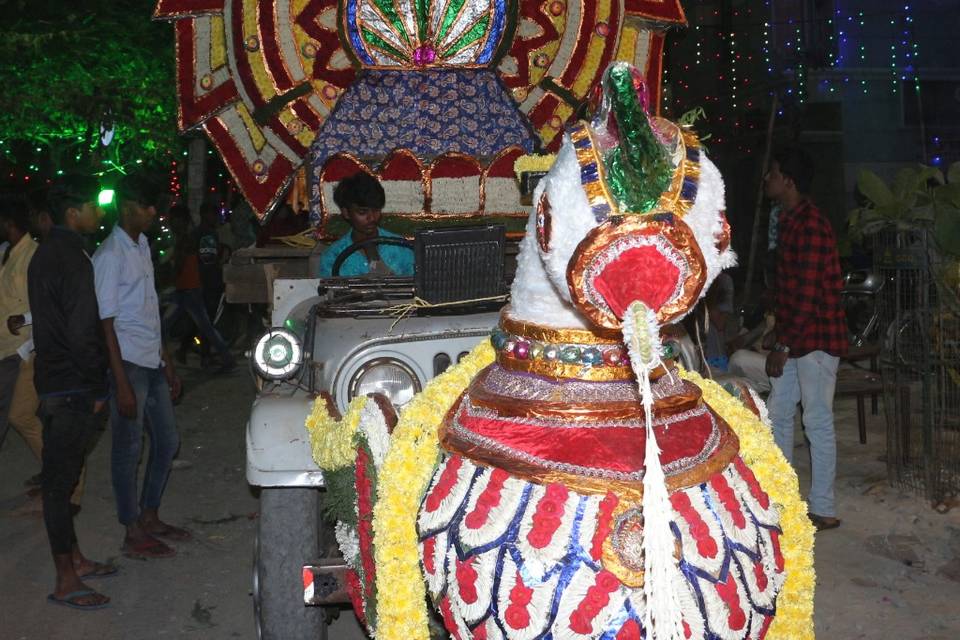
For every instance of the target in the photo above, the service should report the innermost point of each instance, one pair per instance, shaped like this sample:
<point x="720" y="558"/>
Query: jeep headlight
<point x="388" y="376"/>
<point x="278" y="354"/>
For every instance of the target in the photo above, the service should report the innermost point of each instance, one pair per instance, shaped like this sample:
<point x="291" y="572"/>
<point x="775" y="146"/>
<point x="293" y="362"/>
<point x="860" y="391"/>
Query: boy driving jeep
<point x="361" y="199"/>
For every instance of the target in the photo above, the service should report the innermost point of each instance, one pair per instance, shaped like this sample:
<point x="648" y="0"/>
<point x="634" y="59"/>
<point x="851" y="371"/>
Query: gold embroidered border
<point x="596" y="189"/>
<point x="558" y="369"/>
<point x="670" y="200"/>
<point x="552" y="335"/>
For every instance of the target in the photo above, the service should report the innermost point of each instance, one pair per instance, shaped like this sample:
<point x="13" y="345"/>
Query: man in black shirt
<point x="70" y="377"/>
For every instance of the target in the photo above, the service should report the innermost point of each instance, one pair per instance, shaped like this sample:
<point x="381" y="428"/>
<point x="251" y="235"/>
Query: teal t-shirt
<point x="399" y="259"/>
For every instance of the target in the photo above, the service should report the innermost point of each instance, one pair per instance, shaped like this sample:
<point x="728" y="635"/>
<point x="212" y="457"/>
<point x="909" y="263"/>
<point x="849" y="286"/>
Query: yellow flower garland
<point x="331" y="440"/>
<point x="533" y="162"/>
<point x="409" y="465"/>
<point x="794" y="619"/>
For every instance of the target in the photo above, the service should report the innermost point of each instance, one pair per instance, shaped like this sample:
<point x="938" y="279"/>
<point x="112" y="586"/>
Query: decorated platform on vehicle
<point x="264" y="78"/>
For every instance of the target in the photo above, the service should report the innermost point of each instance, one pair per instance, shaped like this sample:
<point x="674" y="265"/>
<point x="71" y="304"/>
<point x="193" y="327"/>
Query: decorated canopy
<point x="261" y="77"/>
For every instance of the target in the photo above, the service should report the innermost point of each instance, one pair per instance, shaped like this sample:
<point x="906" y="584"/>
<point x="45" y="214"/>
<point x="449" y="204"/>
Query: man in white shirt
<point x="143" y="382"/>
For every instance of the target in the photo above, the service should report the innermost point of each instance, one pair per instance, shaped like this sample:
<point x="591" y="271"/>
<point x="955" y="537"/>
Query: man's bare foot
<point x="147" y="548"/>
<point x="151" y="523"/>
<point x="87" y="569"/>
<point x="141" y="545"/>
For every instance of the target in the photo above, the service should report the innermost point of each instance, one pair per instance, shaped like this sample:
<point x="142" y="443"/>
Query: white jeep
<point x="344" y="337"/>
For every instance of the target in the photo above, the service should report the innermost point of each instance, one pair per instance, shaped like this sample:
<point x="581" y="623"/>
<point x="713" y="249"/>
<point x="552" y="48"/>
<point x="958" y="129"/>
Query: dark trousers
<point x="69" y="426"/>
<point x="190" y="302"/>
<point x="9" y="370"/>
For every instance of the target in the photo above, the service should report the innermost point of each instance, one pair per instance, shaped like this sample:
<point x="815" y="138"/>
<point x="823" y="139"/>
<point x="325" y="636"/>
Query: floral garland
<point x="331" y="439"/>
<point x="533" y="162"/>
<point x="410" y="463"/>
<point x="794" y="619"/>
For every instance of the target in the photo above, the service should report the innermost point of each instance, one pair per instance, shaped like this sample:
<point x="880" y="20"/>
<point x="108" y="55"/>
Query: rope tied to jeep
<point x="401" y="311"/>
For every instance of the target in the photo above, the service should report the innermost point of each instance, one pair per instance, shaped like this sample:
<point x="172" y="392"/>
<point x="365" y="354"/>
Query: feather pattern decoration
<point x="415" y="34"/>
<point x="497" y="572"/>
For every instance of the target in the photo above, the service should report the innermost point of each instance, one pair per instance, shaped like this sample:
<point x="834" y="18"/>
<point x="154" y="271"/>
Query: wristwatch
<point x="782" y="348"/>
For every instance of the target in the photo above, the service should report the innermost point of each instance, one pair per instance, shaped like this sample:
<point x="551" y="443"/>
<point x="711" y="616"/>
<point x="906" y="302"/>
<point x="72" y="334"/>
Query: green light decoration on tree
<point x="71" y="75"/>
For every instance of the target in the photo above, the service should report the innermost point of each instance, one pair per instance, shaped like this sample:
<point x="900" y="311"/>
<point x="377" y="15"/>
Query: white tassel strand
<point x="662" y="617"/>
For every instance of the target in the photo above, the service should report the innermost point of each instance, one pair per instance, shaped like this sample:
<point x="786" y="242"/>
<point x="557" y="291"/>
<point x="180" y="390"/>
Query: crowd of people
<point x="83" y="341"/>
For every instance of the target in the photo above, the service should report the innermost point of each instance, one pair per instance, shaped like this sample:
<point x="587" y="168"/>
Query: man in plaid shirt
<point x="811" y="332"/>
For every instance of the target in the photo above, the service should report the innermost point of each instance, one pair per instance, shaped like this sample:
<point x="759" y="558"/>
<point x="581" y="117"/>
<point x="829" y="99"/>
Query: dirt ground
<point x="891" y="571"/>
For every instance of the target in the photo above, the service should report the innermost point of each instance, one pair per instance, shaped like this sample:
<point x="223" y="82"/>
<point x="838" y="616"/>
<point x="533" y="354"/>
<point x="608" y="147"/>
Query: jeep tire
<point x="288" y="536"/>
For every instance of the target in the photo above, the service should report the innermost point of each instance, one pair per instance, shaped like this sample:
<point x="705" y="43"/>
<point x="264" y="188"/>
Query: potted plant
<point x="918" y="198"/>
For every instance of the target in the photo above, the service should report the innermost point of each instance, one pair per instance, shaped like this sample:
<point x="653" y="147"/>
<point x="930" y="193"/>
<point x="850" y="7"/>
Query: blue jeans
<point x="809" y="380"/>
<point x="155" y="412"/>
<point x="190" y="301"/>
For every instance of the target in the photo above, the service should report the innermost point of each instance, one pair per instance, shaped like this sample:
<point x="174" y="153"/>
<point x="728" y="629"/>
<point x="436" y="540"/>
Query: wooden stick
<point x="758" y="210"/>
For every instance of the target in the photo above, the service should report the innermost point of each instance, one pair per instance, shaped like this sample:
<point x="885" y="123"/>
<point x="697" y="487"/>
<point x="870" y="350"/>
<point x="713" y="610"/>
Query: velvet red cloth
<point x="613" y="448"/>
<point x="639" y="273"/>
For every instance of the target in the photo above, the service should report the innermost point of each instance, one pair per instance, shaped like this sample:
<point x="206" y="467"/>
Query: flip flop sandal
<point x="171" y="532"/>
<point x="100" y="570"/>
<point x="822" y="523"/>
<point x="70" y="599"/>
<point x="148" y="549"/>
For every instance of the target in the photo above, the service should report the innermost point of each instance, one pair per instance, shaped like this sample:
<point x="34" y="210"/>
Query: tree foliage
<point x="70" y="68"/>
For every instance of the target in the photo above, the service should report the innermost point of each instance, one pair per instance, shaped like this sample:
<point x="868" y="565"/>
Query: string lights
<point x="731" y="61"/>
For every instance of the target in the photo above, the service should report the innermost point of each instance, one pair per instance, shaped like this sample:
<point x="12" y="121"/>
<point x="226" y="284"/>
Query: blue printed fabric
<point x="429" y="112"/>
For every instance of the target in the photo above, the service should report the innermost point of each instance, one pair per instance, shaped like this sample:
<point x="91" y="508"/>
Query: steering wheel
<point x="363" y="244"/>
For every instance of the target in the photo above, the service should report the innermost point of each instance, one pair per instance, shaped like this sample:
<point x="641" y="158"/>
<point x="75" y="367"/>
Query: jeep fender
<point x="278" y="445"/>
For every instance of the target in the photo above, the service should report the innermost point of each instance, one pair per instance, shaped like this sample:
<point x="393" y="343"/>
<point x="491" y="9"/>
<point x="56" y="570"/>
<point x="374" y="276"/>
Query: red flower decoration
<point x="579" y="623"/>
<point x="604" y="522"/>
<point x="630" y="631"/>
<point x="727" y="590"/>
<point x="546" y="519"/>
<point x="445" y="484"/>
<point x="747" y="474"/>
<point x="516" y="614"/>
<point x="466" y="581"/>
<point x="549" y="507"/>
<point x="607" y="581"/>
<point x="729" y="500"/>
<point x="596" y="598"/>
<point x="489" y="498"/>
<point x="429" y="548"/>
<point x="706" y="545"/>
<point x="760" y="576"/>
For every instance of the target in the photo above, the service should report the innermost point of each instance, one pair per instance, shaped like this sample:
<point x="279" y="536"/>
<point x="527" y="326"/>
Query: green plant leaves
<point x="874" y="189"/>
<point x="917" y="197"/>
<point x="946" y="229"/>
<point x="953" y="173"/>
